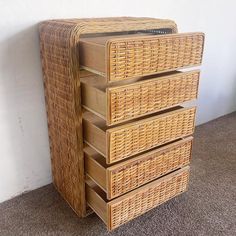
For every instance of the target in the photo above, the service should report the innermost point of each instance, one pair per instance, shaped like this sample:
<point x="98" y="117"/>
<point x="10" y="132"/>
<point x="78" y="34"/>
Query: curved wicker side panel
<point x="148" y="167"/>
<point x="142" y="98"/>
<point x="60" y="61"/>
<point x="135" y="204"/>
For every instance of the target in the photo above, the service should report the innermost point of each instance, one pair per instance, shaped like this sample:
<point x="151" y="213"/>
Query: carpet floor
<point x="208" y="208"/>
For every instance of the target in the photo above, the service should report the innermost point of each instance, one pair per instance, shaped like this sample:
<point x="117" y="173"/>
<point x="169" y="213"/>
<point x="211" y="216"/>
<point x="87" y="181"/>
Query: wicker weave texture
<point x="60" y="62"/>
<point x="140" y="202"/>
<point x="64" y="128"/>
<point x="148" y="167"/>
<point x="147" y="134"/>
<point x="138" y="99"/>
<point x="128" y="58"/>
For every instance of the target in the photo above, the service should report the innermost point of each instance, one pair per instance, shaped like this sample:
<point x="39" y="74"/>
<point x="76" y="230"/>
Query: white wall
<point x="24" y="151"/>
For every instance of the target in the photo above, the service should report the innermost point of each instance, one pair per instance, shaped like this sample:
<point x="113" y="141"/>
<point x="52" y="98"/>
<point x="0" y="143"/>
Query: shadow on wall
<point x="24" y="148"/>
<point x="217" y="95"/>
<point x="214" y="102"/>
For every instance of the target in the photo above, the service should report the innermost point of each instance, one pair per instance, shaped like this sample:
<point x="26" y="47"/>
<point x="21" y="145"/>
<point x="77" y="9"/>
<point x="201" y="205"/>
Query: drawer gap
<point x="174" y="184"/>
<point x="125" y="176"/>
<point x="108" y="140"/>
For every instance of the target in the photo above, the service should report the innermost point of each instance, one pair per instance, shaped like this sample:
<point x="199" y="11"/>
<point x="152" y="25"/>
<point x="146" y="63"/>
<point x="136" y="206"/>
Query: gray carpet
<point x="208" y="208"/>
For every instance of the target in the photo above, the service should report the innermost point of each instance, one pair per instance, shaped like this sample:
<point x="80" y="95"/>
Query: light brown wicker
<point x="120" y="103"/>
<point x="132" y="167"/>
<point x="128" y="56"/>
<point x="139" y="201"/>
<point x="60" y="60"/>
<point x="127" y="140"/>
<point x="121" y="178"/>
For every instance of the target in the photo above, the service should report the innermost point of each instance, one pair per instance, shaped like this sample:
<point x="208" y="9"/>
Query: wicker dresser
<point x="120" y="140"/>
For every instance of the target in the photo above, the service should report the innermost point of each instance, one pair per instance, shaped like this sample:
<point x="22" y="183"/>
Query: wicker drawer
<point x="121" y="178"/>
<point x="121" y="103"/>
<point x="126" y="140"/>
<point x="125" y="208"/>
<point x="124" y="57"/>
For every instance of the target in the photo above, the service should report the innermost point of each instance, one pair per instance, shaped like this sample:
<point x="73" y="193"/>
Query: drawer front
<point x="137" y="202"/>
<point x="142" y="98"/>
<point x="138" y="171"/>
<point x="129" y="58"/>
<point x="128" y="140"/>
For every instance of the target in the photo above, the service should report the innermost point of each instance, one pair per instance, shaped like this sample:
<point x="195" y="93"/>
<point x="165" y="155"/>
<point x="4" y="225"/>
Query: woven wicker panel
<point x="135" y="100"/>
<point x="153" y="165"/>
<point x="140" y="202"/>
<point x="63" y="127"/>
<point x="60" y="62"/>
<point x="130" y="58"/>
<point x="149" y="133"/>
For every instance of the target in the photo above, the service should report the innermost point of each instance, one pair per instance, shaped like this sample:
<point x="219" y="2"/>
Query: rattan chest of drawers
<point x="120" y="141"/>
